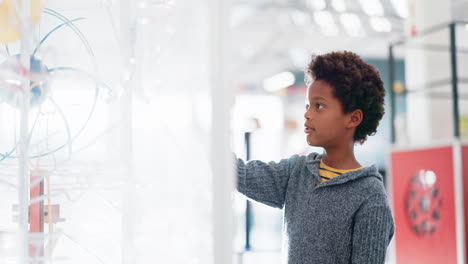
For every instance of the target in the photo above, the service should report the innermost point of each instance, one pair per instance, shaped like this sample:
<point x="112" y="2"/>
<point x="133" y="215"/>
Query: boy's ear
<point x="355" y="118"/>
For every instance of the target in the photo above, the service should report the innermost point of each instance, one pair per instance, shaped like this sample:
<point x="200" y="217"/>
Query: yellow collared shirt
<point x="327" y="172"/>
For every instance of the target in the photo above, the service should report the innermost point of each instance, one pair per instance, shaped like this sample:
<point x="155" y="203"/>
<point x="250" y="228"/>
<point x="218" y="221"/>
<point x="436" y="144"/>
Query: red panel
<point x="465" y="191"/>
<point x="439" y="246"/>
<point x="36" y="215"/>
<point x="36" y="209"/>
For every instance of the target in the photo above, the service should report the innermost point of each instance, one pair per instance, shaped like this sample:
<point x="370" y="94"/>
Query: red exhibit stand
<point x="429" y="195"/>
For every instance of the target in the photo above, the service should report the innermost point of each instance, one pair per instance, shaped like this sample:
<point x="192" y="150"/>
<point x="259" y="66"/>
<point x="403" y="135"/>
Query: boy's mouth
<point x="308" y="129"/>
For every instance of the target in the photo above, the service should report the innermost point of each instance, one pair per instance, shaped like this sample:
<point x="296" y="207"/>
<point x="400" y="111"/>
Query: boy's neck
<point x="340" y="157"/>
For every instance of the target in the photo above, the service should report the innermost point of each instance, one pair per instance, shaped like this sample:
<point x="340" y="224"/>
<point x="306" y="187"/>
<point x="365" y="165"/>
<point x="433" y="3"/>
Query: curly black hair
<point x="357" y="86"/>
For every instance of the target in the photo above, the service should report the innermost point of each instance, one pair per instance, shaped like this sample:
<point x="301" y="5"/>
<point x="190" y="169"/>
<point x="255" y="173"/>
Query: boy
<point x="335" y="210"/>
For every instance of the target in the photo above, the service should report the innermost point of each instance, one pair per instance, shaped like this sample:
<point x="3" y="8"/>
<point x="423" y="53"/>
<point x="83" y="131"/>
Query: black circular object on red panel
<point x="423" y="203"/>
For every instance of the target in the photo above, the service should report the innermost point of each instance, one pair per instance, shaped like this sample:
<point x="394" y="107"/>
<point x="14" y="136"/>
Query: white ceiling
<point x="269" y="36"/>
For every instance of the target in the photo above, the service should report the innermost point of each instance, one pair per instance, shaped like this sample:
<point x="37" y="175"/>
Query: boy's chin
<point x="312" y="143"/>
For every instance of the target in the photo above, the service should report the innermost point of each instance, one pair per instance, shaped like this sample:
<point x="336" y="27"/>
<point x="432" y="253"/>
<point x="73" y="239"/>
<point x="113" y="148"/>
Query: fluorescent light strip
<point x="279" y="81"/>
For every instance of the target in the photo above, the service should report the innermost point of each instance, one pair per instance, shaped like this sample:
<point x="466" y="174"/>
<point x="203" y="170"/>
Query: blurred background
<point x="118" y="119"/>
<point x="272" y="44"/>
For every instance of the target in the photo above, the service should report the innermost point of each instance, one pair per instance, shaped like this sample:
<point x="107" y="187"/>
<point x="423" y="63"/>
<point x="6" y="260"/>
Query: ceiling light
<point x="401" y="7"/>
<point x="317" y="4"/>
<point x="339" y="5"/>
<point x="380" y="24"/>
<point x="326" y="22"/>
<point x="372" y="7"/>
<point x="279" y="81"/>
<point x="352" y="24"/>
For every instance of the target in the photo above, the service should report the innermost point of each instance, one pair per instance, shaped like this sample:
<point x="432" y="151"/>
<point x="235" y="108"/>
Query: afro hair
<point x="357" y="85"/>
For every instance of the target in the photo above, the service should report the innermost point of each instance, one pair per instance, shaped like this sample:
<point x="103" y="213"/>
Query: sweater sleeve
<point x="373" y="231"/>
<point x="265" y="182"/>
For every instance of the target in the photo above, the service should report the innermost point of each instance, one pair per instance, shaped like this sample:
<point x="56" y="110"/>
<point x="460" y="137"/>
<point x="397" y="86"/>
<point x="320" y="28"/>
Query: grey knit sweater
<point x="344" y="220"/>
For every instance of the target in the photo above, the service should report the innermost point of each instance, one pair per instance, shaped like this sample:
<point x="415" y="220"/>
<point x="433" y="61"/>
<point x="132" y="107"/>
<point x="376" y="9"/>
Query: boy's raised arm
<point x="265" y="182"/>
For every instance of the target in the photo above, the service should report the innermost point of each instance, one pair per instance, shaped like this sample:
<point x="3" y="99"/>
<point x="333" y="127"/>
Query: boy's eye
<point x="318" y="106"/>
<point x="307" y="106"/>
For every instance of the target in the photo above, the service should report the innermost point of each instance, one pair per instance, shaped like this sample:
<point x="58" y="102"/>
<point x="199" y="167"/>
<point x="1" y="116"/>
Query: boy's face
<point x="325" y="122"/>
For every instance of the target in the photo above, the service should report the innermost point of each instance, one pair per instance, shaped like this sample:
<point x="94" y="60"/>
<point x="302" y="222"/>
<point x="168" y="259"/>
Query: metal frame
<point x="454" y="72"/>
<point x="248" y="205"/>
